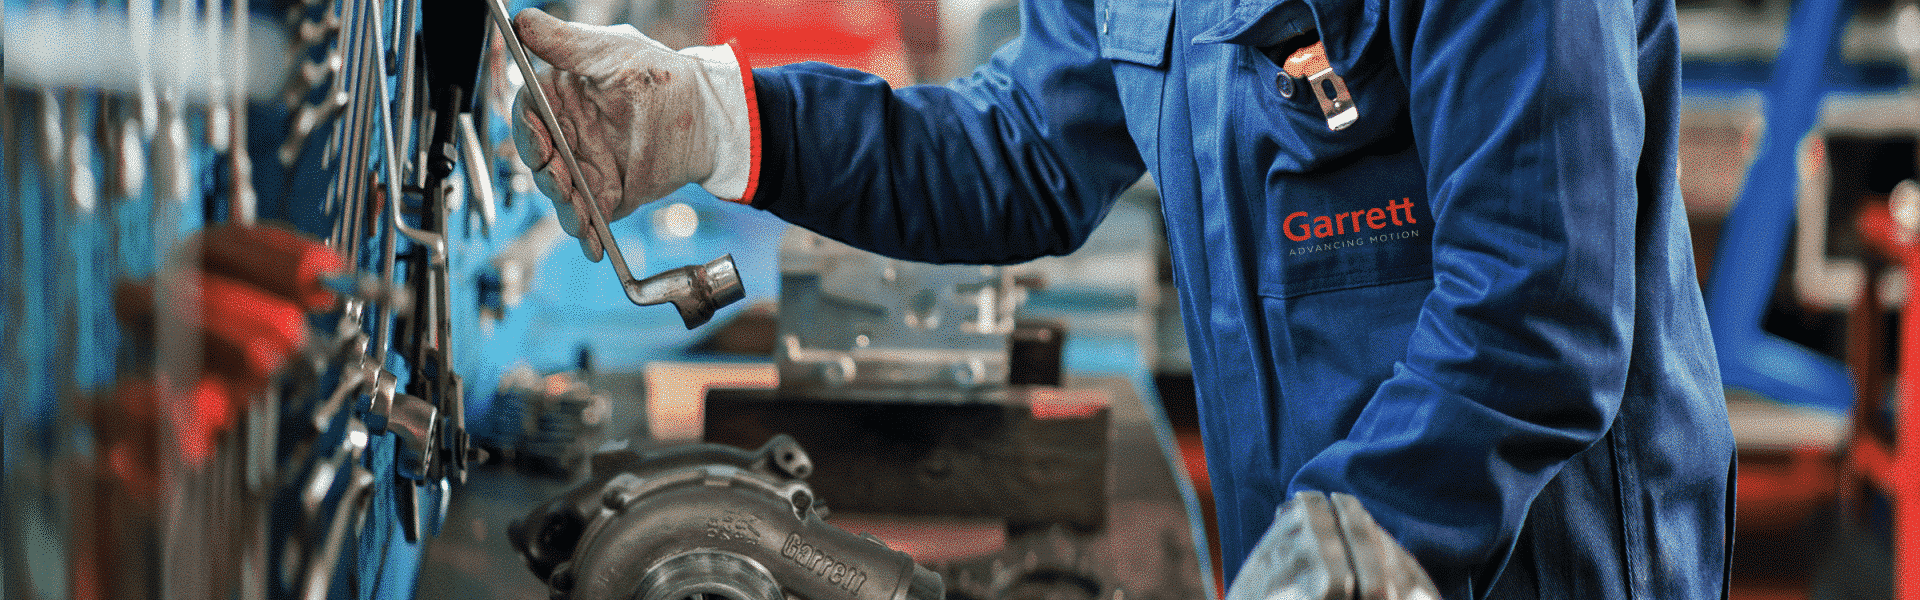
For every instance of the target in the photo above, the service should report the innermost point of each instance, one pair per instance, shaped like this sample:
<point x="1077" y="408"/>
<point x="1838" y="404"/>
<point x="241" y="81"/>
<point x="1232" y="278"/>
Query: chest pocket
<point x="1343" y="207"/>
<point x="1291" y="127"/>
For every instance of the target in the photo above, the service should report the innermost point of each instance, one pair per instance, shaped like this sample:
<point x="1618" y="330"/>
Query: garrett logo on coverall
<point x="1301" y="226"/>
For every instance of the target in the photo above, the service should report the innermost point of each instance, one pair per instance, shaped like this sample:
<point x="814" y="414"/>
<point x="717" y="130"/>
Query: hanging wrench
<point x="697" y="290"/>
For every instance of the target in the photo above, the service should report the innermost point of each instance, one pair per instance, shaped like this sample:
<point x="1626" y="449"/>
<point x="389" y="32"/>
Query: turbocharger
<point x="708" y="521"/>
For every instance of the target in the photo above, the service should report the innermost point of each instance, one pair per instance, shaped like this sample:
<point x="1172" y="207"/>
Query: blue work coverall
<point x="1475" y="308"/>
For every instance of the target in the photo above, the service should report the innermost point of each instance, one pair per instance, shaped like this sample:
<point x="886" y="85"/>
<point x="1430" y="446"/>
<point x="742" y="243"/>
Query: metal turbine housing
<point x="708" y="521"/>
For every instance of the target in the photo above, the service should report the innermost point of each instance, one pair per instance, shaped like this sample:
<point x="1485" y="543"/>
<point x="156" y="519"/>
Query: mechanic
<point x="1431" y="254"/>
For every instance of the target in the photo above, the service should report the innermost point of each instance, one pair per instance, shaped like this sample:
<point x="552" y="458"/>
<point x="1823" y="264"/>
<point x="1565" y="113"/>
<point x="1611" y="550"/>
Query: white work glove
<point x="643" y="120"/>
<point x="1329" y="548"/>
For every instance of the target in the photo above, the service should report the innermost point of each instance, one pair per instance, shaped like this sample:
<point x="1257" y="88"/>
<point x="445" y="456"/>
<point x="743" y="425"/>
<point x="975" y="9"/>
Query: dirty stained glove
<point x="643" y="119"/>
<point x="1327" y="547"/>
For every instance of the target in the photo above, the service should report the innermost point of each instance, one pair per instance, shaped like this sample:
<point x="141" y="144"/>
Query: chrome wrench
<point x="696" y="290"/>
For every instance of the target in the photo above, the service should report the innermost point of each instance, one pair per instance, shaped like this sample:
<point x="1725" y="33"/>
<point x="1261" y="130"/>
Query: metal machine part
<point x="863" y="326"/>
<point x="924" y="389"/>
<point x="708" y="521"/>
<point x="546" y="426"/>
<point x="1053" y="563"/>
<point x="696" y="291"/>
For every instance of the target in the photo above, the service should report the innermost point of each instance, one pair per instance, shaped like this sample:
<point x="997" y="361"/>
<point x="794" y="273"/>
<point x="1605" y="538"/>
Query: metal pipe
<point x="242" y="201"/>
<point x="350" y="134"/>
<point x="336" y="187"/>
<point x="409" y="73"/>
<point x="479" y="177"/>
<point x="140" y="29"/>
<point x="395" y="226"/>
<point x="357" y="148"/>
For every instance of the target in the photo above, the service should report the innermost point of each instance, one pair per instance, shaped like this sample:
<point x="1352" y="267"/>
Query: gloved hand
<point x="643" y="120"/>
<point x="1329" y="548"/>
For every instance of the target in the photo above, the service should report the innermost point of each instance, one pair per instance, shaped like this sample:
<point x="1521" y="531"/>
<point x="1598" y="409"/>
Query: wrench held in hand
<point x="697" y="291"/>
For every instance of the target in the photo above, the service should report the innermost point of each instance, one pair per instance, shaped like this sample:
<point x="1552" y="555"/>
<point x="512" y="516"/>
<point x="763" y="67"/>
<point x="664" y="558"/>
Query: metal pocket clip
<point x="1311" y="63"/>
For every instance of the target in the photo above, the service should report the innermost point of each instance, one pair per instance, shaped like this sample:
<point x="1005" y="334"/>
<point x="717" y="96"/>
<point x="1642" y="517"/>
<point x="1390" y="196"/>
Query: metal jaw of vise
<point x="708" y="520"/>
<point x="696" y="291"/>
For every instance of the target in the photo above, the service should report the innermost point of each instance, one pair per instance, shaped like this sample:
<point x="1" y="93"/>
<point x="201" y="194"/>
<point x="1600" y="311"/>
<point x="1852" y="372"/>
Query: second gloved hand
<point x="1327" y="547"/>
<point x="643" y="119"/>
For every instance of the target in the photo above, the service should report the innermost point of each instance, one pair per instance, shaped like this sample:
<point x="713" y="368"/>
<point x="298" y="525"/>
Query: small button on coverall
<point x="1474" y="308"/>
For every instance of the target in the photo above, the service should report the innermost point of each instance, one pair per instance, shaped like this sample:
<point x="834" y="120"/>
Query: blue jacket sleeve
<point x="1529" y="119"/>
<point x="1019" y="160"/>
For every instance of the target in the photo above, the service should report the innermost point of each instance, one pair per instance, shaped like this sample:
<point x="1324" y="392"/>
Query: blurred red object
<point x="241" y="294"/>
<point x="857" y="34"/>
